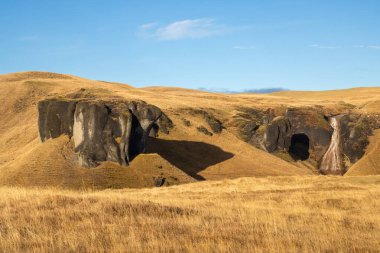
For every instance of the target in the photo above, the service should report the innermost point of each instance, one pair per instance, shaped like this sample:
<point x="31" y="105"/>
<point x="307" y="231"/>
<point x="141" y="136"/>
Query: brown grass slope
<point x="52" y="164"/>
<point x="25" y="161"/>
<point x="369" y="164"/>
<point x="275" y="214"/>
<point x="366" y="99"/>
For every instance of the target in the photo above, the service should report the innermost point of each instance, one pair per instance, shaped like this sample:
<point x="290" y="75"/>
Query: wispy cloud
<point x="377" y="47"/>
<point x="324" y="46"/>
<point x="183" y="29"/>
<point x="359" y="46"/>
<point x="147" y="27"/>
<point x="240" y="47"/>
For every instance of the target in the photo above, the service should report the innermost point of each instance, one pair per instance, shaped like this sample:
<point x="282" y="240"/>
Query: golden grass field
<point x="250" y="201"/>
<point x="274" y="214"/>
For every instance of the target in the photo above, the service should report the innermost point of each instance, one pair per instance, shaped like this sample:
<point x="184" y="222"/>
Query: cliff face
<point x="114" y="130"/>
<point x="305" y="133"/>
<point x="354" y="133"/>
<point x="285" y="131"/>
<point x="117" y="130"/>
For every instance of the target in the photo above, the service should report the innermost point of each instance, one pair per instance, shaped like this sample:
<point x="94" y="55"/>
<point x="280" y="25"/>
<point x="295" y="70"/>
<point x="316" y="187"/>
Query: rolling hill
<point x="184" y="155"/>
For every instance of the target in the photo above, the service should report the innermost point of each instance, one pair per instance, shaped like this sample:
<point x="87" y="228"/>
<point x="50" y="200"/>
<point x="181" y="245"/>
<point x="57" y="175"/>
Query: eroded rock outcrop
<point x="305" y="133"/>
<point x="285" y="129"/>
<point x="355" y="130"/>
<point x="311" y="123"/>
<point x="55" y="117"/>
<point x="215" y="124"/>
<point x="102" y="130"/>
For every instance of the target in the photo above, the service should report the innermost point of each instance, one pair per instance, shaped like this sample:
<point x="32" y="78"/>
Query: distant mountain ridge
<point x="258" y="91"/>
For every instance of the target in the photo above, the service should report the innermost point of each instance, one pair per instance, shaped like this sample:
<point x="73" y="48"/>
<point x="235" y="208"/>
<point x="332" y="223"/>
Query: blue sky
<point x="220" y="44"/>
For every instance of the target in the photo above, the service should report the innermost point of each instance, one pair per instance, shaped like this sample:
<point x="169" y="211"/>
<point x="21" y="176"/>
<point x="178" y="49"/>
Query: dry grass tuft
<point x="284" y="214"/>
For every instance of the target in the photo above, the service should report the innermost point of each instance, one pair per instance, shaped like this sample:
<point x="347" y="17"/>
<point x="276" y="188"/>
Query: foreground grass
<point x="287" y="214"/>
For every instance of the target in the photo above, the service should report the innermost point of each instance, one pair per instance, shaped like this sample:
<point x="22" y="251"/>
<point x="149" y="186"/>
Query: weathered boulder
<point x="111" y="130"/>
<point x="159" y="181"/>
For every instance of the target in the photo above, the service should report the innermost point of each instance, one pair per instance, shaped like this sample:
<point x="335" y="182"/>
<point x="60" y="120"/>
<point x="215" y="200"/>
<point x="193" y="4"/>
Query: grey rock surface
<point x="299" y="121"/>
<point x="102" y="130"/>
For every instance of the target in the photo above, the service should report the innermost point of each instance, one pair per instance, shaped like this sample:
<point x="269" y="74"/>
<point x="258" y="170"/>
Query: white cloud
<point x="244" y="47"/>
<point x="377" y="47"/>
<point x="183" y="29"/>
<point x="323" y="46"/>
<point x="148" y="26"/>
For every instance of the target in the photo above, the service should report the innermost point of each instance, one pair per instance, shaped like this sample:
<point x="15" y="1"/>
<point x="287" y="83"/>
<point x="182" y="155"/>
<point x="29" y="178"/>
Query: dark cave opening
<point x="299" y="147"/>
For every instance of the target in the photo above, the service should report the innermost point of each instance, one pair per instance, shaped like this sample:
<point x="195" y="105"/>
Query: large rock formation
<point x="102" y="130"/>
<point x="285" y="129"/>
<point x="305" y="133"/>
<point x="298" y="125"/>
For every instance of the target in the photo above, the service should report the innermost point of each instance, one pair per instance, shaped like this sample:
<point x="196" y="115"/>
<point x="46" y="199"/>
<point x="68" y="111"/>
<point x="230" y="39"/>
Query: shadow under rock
<point x="189" y="156"/>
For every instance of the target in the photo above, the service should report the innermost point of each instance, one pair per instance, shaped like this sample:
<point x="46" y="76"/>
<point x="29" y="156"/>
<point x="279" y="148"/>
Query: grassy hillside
<point x="369" y="164"/>
<point x="278" y="214"/>
<point x="366" y="99"/>
<point x="26" y="161"/>
<point x="188" y="154"/>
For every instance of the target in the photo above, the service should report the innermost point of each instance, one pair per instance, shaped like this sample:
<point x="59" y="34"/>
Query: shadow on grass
<point x="189" y="156"/>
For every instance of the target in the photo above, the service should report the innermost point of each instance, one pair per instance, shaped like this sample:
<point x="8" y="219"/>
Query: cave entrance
<point x="299" y="147"/>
